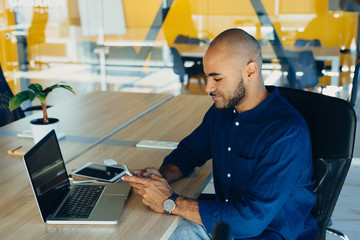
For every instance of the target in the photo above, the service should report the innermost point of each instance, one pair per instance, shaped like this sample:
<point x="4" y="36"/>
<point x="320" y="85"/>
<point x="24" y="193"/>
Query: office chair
<point x="305" y="67"/>
<point x="332" y="124"/>
<point x="320" y="65"/>
<point x="307" y="43"/>
<point x="7" y="116"/>
<point x="181" y="39"/>
<point x="185" y="73"/>
<point x="221" y="231"/>
<point x="196" y="41"/>
<point x="355" y="85"/>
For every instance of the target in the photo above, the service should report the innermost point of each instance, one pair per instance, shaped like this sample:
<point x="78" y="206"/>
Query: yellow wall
<point x="179" y="21"/>
<point x="196" y="18"/>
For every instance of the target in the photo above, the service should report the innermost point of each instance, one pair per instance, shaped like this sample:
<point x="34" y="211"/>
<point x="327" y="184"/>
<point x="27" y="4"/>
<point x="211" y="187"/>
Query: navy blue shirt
<point x="262" y="170"/>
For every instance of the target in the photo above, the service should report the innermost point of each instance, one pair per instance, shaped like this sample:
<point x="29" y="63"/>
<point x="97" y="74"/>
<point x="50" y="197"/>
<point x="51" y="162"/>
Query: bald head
<point x="241" y="44"/>
<point x="232" y="64"/>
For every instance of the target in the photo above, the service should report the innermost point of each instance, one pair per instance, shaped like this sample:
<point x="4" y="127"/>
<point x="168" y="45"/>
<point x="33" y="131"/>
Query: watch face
<point x="169" y="205"/>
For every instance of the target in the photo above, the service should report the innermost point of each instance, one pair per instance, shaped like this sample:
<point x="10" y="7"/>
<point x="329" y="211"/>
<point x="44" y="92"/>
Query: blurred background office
<point x="124" y="45"/>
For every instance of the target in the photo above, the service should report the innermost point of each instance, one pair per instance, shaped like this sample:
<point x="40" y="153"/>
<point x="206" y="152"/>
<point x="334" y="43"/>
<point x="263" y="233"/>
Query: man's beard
<point x="239" y="95"/>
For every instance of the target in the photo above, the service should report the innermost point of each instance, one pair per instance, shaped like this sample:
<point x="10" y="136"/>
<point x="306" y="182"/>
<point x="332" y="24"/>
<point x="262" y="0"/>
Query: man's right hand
<point x="169" y="171"/>
<point x="147" y="172"/>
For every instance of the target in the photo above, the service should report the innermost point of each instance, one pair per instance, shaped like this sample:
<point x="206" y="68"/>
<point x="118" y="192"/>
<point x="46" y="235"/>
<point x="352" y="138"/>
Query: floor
<point x="346" y="216"/>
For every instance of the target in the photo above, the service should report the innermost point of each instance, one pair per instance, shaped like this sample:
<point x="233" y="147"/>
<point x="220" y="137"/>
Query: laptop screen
<point x="47" y="174"/>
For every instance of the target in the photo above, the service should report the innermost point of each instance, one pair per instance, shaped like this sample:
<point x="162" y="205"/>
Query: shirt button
<point x="228" y="175"/>
<point x="229" y="149"/>
<point x="226" y="200"/>
<point x="237" y="123"/>
<point x="234" y="111"/>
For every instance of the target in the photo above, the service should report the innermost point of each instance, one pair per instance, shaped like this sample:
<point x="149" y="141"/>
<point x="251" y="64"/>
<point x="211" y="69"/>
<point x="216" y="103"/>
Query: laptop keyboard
<point x="81" y="201"/>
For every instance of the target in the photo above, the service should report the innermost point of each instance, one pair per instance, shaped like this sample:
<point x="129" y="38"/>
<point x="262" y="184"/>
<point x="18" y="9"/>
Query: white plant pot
<point x="39" y="130"/>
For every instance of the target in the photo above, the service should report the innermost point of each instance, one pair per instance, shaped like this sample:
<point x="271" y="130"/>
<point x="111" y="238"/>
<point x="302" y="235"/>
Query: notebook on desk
<point x="60" y="202"/>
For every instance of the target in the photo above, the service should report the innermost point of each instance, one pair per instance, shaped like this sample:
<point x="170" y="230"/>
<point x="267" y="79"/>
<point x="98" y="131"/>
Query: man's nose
<point x="210" y="85"/>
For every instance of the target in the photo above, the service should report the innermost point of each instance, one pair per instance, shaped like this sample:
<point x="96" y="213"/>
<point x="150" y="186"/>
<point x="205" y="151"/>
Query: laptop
<point x="58" y="200"/>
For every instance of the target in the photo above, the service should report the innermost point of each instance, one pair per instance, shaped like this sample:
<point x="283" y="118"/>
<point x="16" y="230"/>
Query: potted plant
<point x="40" y="126"/>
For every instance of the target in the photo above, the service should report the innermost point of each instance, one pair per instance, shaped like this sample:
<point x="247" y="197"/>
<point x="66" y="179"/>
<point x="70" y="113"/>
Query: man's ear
<point x="252" y="69"/>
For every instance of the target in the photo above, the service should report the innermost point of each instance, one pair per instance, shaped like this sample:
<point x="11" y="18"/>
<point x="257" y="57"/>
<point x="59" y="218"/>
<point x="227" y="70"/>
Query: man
<point x="260" y="148"/>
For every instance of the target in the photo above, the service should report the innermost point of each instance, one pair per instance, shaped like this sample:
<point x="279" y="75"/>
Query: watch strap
<point x="173" y="197"/>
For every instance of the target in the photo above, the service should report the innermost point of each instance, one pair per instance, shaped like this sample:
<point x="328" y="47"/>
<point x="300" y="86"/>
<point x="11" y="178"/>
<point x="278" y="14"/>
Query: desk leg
<point x="335" y="65"/>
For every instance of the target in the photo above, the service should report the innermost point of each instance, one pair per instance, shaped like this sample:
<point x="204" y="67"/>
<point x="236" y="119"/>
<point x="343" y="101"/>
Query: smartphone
<point x="100" y="172"/>
<point x="127" y="170"/>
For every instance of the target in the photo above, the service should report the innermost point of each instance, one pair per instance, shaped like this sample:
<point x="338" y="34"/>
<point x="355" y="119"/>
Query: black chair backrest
<point x="194" y="41"/>
<point x="304" y="63"/>
<point x="307" y="43"/>
<point x="320" y="65"/>
<point x="332" y="124"/>
<point x="355" y="85"/>
<point x="181" y="39"/>
<point x="7" y="116"/>
<point x="222" y="231"/>
<point x="178" y="64"/>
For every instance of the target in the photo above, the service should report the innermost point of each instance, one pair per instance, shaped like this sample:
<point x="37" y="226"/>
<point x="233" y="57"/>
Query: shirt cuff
<point x="173" y="158"/>
<point x="209" y="213"/>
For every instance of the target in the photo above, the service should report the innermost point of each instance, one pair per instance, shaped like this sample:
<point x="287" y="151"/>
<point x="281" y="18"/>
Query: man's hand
<point x="153" y="189"/>
<point x="147" y="172"/>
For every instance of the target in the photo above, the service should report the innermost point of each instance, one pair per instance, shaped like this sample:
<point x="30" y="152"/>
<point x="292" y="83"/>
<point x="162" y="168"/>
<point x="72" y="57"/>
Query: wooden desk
<point x="19" y="215"/>
<point x="13" y="176"/>
<point x="331" y="54"/>
<point x="172" y="121"/>
<point x="84" y="120"/>
<point x="137" y="221"/>
<point x="95" y="114"/>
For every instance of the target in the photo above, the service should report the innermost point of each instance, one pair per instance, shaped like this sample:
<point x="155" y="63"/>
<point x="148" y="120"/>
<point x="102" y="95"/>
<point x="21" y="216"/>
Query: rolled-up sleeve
<point x="193" y="151"/>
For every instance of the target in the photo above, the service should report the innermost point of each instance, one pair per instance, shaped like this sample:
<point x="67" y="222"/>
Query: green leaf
<point x="21" y="97"/>
<point x="58" y="85"/>
<point x="36" y="87"/>
<point x="37" y="92"/>
<point x="67" y="87"/>
<point x="42" y="97"/>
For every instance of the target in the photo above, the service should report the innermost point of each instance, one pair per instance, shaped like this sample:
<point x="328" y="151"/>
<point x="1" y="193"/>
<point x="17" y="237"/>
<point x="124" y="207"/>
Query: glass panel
<point x="125" y="45"/>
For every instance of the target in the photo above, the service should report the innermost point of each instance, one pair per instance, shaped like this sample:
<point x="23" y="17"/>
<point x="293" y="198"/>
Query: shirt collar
<point x="273" y="93"/>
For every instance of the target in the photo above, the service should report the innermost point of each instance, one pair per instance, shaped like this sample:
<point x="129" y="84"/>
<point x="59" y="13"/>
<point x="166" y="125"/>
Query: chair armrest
<point x="337" y="233"/>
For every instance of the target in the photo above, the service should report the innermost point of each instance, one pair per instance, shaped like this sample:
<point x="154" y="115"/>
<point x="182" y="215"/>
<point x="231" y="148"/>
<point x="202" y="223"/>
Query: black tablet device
<point x="100" y="172"/>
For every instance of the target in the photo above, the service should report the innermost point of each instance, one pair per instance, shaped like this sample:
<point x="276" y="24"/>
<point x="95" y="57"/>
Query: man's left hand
<point x="154" y="190"/>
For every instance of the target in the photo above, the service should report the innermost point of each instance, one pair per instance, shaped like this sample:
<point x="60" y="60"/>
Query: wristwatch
<point x="169" y="204"/>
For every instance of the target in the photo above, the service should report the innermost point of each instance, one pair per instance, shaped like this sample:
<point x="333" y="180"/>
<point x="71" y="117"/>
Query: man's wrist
<point x="187" y="208"/>
<point x="169" y="204"/>
<point x="177" y="209"/>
